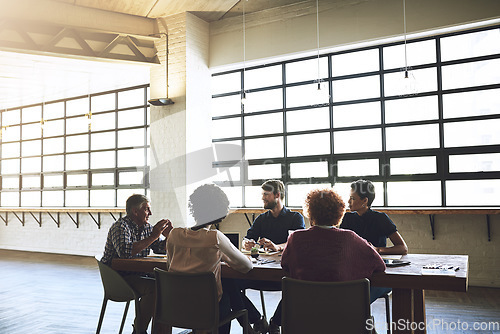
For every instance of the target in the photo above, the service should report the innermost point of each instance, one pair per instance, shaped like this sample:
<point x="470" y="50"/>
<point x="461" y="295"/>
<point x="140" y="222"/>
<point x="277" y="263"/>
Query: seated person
<point x="270" y="230"/>
<point x="133" y="236"/>
<point x="324" y="252"/>
<point x="200" y="249"/>
<point x="373" y="226"/>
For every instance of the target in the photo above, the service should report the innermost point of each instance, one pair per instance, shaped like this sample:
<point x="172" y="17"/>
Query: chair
<point x="387" y="311"/>
<point x="326" y="307"/>
<point x="189" y="300"/>
<point x="118" y="290"/>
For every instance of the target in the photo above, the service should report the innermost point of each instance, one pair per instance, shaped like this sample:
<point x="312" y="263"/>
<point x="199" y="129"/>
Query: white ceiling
<point x="26" y="79"/>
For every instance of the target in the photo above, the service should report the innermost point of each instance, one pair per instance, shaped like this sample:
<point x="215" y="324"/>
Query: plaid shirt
<point x="122" y="234"/>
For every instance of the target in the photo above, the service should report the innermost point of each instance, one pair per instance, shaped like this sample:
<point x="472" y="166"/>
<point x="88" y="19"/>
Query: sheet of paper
<point x="392" y="257"/>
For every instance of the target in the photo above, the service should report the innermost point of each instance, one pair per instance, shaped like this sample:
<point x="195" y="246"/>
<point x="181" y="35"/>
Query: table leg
<point x="408" y="311"/>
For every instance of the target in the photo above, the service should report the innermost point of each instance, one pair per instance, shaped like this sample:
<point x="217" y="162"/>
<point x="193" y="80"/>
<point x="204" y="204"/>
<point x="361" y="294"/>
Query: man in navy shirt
<point x="270" y="230"/>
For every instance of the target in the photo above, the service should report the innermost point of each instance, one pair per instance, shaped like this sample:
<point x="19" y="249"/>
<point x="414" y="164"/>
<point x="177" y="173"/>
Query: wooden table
<point x="407" y="282"/>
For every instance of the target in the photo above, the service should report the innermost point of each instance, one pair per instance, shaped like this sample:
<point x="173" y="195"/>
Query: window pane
<point x="425" y="80"/>
<point x="53" y="198"/>
<point x="31" y="182"/>
<point x="9" y="198"/>
<point x="102" y="140"/>
<point x="31" y="131"/>
<point x="470" y="45"/>
<point x="412" y="137"/>
<point x="297" y="192"/>
<point x="103" y="102"/>
<point x="230" y="174"/>
<point x="227" y="151"/>
<point x="227" y="105"/>
<point x="263" y="77"/>
<point x="53" y="128"/>
<point x="355" y="62"/>
<point x="53" y="163"/>
<point x="479" y="192"/>
<point x="226" y="128"/>
<point x="483" y="102"/>
<point x="234" y="195"/>
<point x="103" y="121"/>
<point x="77" y="143"/>
<point x="358" y="167"/>
<point x="308" y="119"/>
<point x="412" y="109"/>
<point x="10" y="166"/>
<point x="413" y="165"/>
<point x="226" y="83"/>
<point x="253" y="196"/>
<point x="131" y="98"/>
<point x="424" y="193"/>
<point x="32" y="114"/>
<point x="306" y="70"/>
<point x="102" y="159"/>
<point x="77" y="197"/>
<point x="488" y="162"/>
<point x="31" y="198"/>
<point x="77" y="161"/>
<point x="11" y="133"/>
<point x="307" y="95"/>
<point x="131" y="178"/>
<point x="77" y="107"/>
<point x="11" y="150"/>
<point x="418" y="53"/>
<point x="309" y="169"/>
<point x="123" y="194"/>
<point x="11" y="117"/>
<point x="103" y="179"/>
<point x="131" y="138"/>
<point x="264" y="172"/>
<point x="54" y="145"/>
<point x="130" y="158"/>
<point x="265" y="100"/>
<point x="77" y="125"/>
<point x="356" y="114"/>
<point x="473" y="74"/>
<point x="264" y="148"/>
<point x="264" y="124"/>
<point x="311" y="144"/>
<point x="473" y="133"/>
<point x="31" y="165"/>
<point x="356" y="89"/>
<point x="53" y="181"/>
<point x="103" y="197"/>
<point x="53" y="110"/>
<point x="10" y="182"/>
<point x="77" y="180"/>
<point x="32" y="147"/>
<point x="357" y="141"/>
<point x="130" y="118"/>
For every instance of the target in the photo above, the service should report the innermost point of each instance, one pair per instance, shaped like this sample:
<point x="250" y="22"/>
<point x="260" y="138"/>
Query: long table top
<point x="404" y="277"/>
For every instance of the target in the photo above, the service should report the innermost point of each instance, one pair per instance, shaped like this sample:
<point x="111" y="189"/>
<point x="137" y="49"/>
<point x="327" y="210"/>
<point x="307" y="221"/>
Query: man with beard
<point x="270" y="230"/>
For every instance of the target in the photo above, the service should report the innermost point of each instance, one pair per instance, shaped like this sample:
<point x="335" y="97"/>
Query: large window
<point x="432" y="142"/>
<point x="79" y="152"/>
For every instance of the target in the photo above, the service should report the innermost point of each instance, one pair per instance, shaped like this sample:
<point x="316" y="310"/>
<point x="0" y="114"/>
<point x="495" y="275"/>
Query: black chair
<point x="118" y="290"/>
<point x="326" y="307"/>
<point x="188" y="300"/>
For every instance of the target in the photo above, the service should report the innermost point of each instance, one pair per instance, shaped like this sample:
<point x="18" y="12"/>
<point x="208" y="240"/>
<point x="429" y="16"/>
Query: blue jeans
<point x="376" y="292"/>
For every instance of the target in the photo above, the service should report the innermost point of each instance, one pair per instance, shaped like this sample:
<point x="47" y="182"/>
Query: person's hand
<point x="268" y="244"/>
<point x="167" y="229"/>
<point x="160" y="227"/>
<point x="248" y="244"/>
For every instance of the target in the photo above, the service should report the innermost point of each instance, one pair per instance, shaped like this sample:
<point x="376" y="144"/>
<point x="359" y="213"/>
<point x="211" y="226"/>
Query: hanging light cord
<point x="244" y="50"/>
<point x="404" y="27"/>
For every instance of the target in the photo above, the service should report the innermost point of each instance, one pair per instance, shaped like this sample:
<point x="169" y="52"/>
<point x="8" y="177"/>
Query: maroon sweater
<point x="329" y="255"/>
